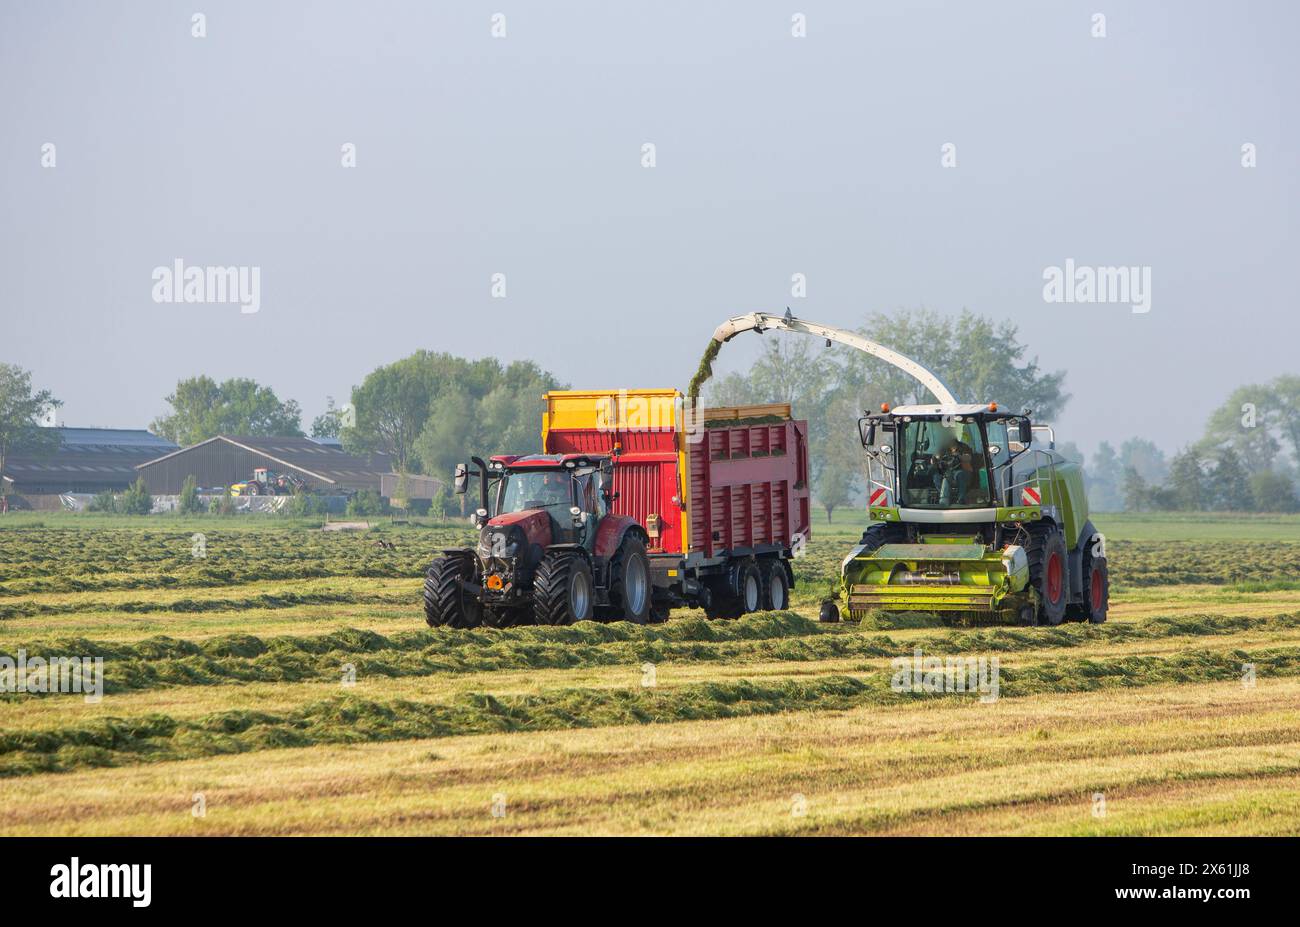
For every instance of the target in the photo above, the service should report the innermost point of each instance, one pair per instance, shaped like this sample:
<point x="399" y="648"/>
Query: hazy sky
<point x="522" y="155"/>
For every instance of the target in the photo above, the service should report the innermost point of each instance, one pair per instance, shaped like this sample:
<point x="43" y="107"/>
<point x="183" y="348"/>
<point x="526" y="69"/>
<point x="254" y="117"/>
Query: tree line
<point x="425" y="412"/>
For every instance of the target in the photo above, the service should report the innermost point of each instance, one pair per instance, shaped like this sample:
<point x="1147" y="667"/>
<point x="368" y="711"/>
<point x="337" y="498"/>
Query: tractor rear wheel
<point x="563" y="592"/>
<point x="445" y="601"/>
<point x="629" y="586"/>
<point x="1049" y="572"/>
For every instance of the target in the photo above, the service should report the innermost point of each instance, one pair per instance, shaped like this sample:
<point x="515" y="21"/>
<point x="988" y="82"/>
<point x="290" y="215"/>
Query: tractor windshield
<point x="521" y="490"/>
<point x="943" y="463"/>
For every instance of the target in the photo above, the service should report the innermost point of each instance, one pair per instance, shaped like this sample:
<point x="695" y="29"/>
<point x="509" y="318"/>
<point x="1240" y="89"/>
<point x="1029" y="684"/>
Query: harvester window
<point x="944" y="463"/>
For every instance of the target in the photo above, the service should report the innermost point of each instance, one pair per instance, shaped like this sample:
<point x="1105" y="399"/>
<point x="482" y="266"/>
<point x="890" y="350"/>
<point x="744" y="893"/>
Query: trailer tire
<point x="445" y="602"/>
<point x="829" y="613"/>
<point x="1049" y="572"/>
<point x="749" y="585"/>
<point x="630" y="589"/>
<point x="776" y="587"/>
<point x="721" y="602"/>
<point x="563" y="592"/>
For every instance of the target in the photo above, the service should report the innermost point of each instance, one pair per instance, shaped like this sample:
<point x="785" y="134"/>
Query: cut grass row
<point x="788" y="637"/>
<point x="1210" y="757"/>
<point x="154" y="737"/>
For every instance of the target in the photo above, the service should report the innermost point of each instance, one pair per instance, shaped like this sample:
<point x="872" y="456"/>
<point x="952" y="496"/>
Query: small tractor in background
<point x="266" y="482"/>
<point x="970" y="514"/>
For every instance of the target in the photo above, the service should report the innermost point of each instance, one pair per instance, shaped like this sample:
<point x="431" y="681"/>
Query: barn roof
<point x="320" y="461"/>
<point x="87" y="458"/>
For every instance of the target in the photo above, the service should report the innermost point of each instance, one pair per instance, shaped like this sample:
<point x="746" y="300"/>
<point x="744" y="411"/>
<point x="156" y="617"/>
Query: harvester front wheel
<point x="1049" y="573"/>
<point x="884" y="533"/>
<point x="562" y="589"/>
<point x="445" y="601"/>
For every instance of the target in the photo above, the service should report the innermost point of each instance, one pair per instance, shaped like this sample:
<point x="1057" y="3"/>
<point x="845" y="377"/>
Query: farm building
<point x="88" y="460"/>
<point x="223" y="460"/>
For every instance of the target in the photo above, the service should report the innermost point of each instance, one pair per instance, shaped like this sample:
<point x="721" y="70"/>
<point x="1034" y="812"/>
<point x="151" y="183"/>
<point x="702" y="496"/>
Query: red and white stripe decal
<point x="879" y="497"/>
<point x="1031" y="496"/>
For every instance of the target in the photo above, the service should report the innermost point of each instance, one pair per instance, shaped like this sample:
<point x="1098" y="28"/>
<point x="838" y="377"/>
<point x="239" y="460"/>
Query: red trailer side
<point x="749" y="487"/>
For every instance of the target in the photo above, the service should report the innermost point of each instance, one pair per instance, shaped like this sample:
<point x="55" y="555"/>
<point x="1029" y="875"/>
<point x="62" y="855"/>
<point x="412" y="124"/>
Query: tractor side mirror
<point x="1026" y="432"/>
<point x="462" y="479"/>
<point x="867" y="430"/>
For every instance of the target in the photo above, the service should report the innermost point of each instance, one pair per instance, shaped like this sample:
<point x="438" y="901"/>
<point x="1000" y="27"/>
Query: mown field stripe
<point x="243" y="658"/>
<point x="345" y="719"/>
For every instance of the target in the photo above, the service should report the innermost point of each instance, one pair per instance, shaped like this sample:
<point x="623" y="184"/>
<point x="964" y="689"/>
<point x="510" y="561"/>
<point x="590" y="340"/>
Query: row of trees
<point x="830" y="386"/>
<point x="1247" y="460"/>
<point x="424" y="411"/>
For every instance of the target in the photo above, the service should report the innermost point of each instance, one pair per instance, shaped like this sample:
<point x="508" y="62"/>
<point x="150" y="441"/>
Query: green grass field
<point x="285" y="683"/>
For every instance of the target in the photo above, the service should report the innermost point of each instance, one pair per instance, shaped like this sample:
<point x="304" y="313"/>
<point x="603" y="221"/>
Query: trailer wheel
<point x="776" y="587"/>
<point x="721" y="602"/>
<point x="629" y="586"/>
<point x="1049" y="572"/>
<point x="562" y="589"/>
<point x="829" y="613"/>
<point x="445" y="602"/>
<point x="750" y="585"/>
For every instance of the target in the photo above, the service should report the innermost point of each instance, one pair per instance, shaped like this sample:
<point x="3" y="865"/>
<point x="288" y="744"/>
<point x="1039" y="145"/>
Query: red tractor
<point x="553" y="552"/>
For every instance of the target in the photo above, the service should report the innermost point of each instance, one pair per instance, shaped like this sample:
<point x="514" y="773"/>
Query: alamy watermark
<point x="1082" y="284"/>
<point x="919" y="673"/>
<point x="645" y="414"/>
<point x="43" y="675"/>
<point x="196" y="283"/>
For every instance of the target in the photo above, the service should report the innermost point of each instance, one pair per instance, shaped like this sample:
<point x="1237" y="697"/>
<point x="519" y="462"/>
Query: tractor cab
<point x="569" y="490"/>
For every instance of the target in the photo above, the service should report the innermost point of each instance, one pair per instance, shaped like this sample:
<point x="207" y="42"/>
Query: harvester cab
<point x="970" y="515"/>
<point x="549" y="549"/>
<point x="970" y="512"/>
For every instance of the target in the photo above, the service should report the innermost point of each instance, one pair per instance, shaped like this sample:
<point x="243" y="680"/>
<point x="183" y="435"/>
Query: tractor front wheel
<point x="445" y="601"/>
<point x="563" y="592"/>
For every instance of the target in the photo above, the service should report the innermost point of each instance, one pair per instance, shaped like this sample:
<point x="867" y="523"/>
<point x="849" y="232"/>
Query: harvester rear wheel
<point x="445" y="602"/>
<point x="562" y="589"/>
<point x="1096" y="588"/>
<point x="1049" y="572"/>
